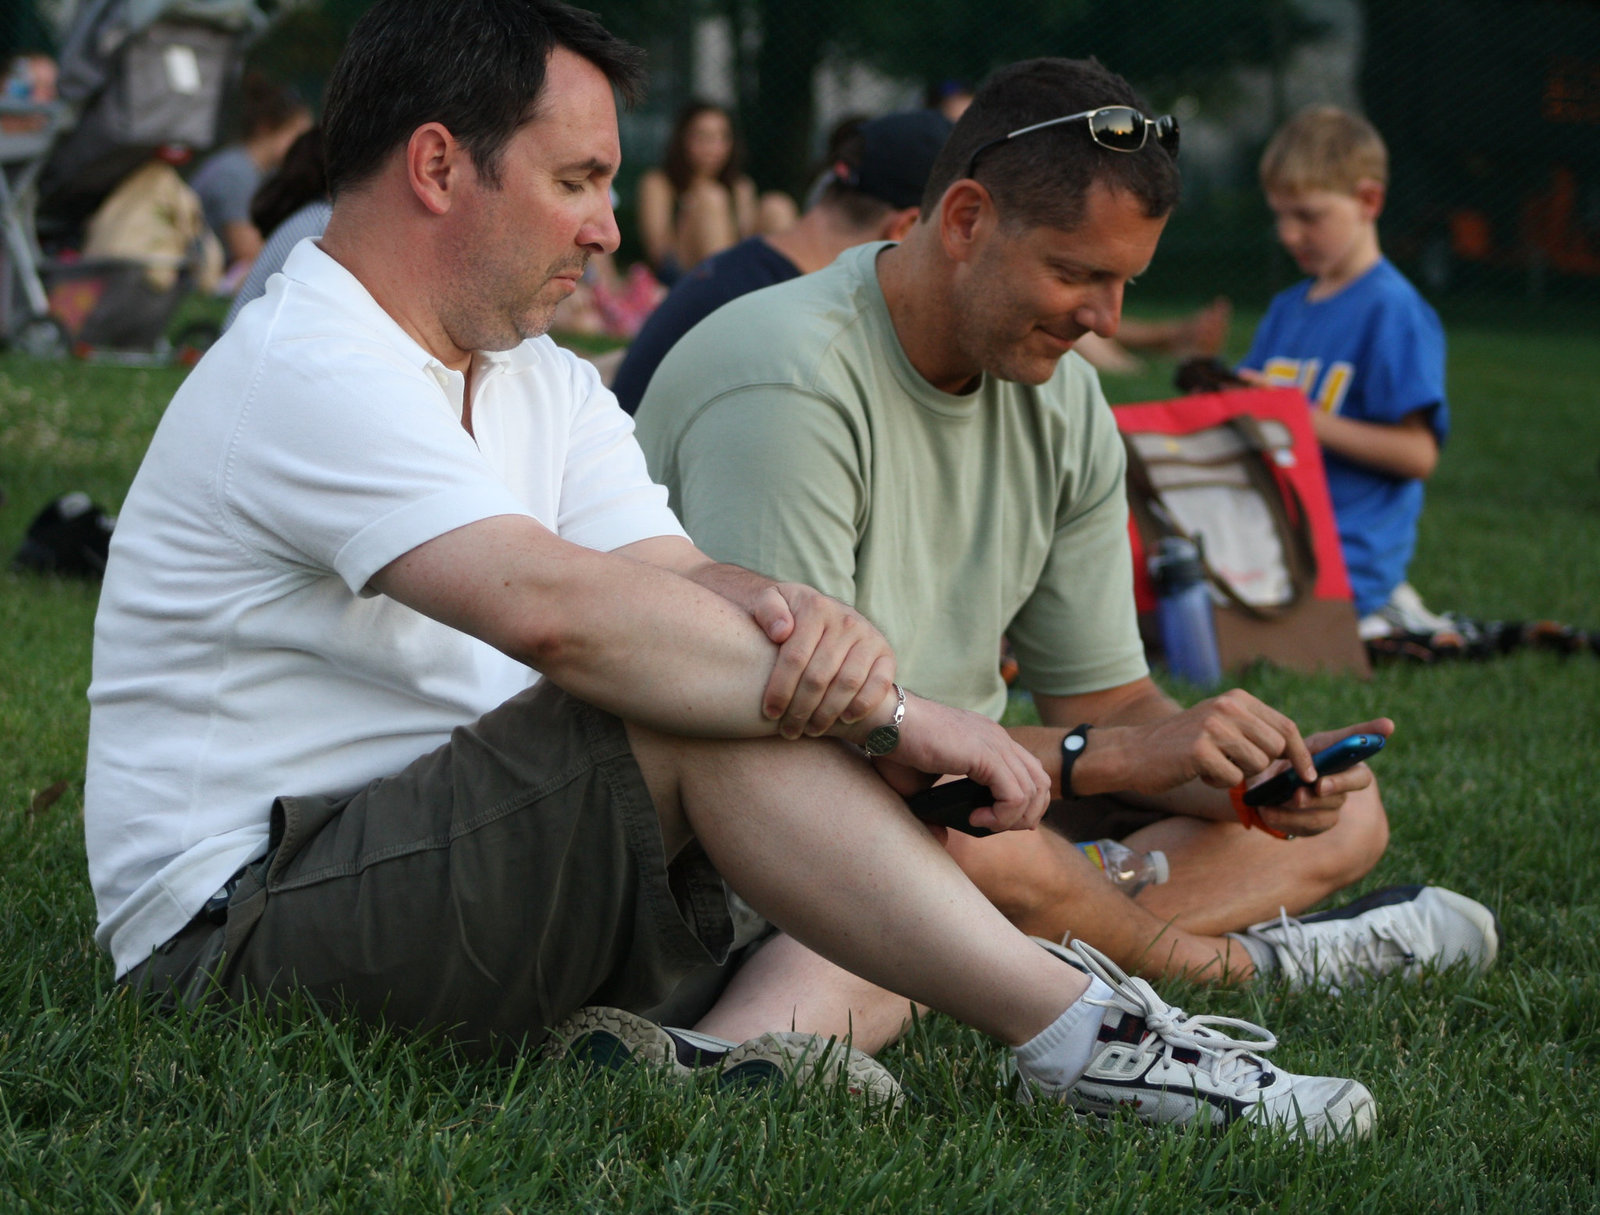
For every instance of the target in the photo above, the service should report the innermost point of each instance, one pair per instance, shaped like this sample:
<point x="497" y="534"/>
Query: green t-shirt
<point x="796" y="439"/>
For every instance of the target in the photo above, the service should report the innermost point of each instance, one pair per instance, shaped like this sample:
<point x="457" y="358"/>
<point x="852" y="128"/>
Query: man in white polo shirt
<point x="320" y="756"/>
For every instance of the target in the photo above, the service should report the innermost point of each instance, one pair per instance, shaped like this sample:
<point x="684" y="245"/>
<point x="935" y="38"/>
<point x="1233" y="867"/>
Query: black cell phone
<point x="1346" y="753"/>
<point x="950" y="804"/>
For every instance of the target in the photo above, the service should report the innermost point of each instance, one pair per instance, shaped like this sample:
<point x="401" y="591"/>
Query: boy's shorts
<point x="513" y="875"/>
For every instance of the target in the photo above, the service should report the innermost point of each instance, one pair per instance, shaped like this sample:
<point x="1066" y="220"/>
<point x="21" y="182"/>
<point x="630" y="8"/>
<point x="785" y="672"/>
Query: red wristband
<point x="1249" y="815"/>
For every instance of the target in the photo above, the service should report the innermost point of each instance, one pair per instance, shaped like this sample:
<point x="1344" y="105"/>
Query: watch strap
<point x="1072" y="747"/>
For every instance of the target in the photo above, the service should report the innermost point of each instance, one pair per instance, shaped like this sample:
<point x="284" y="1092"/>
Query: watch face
<point x="883" y="740"/>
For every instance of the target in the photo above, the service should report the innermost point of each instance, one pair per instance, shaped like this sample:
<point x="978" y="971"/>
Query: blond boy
<point x="1364" y="346"/>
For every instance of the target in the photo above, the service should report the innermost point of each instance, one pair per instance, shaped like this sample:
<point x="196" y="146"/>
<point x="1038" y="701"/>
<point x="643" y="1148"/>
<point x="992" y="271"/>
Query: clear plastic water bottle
<point x="1183" y="607"/>
<point x="1128" y="869"/>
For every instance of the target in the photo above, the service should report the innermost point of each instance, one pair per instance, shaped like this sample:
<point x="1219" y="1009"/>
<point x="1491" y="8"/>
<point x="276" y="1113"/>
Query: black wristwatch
<point x="886" y="738"/>
<point x="1071" y="747"/>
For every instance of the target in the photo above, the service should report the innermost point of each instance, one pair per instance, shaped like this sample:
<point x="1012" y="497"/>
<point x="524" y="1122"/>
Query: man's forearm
<point x="634" y="637"/>
<point x="1109" y="765"/>
<point x="705" y="674"/>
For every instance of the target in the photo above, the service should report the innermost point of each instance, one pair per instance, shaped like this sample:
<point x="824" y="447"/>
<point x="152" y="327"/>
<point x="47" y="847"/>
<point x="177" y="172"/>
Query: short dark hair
<point x="476" y="66"/>
<point x="1044" y="177"/>
<point x="858" y="211"/>
<point x="267" y="106"/>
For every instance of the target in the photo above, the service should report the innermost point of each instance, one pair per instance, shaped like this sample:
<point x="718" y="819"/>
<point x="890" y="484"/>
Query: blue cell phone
<point x="1346" y="753"/>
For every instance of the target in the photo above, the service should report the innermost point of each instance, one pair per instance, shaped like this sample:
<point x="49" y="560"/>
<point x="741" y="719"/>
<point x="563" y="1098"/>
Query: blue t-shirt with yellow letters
<point x="1373" y="352"/>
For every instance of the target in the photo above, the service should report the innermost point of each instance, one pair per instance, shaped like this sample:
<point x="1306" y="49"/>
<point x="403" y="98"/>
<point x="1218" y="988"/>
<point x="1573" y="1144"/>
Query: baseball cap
<point x="897" y="154"/>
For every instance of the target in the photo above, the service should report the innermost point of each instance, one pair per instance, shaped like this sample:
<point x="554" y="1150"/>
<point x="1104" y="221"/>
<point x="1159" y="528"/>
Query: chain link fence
<point x="1491" y="107"/>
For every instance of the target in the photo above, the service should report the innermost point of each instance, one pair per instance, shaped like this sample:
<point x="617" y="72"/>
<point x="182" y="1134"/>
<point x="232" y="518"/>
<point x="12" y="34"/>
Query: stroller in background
<point x="137" y="77"/>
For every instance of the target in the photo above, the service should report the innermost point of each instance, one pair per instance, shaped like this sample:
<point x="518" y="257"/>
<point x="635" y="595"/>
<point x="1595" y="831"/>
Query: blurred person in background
<point x="950" y="97"/>
<point x="870" y="191"/>
<point x="1366" y="349"/>
<point x="227" y="180"/>
<point x="700" y="201"/>
<point x="291" y="205"/>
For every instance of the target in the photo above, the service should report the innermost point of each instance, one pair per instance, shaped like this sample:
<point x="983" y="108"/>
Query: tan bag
<point x="1240" y="474"/>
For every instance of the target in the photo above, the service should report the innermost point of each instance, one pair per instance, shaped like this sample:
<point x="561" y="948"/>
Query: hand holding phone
<point x="951" y="805"/>
<point x="1346" y="753"/>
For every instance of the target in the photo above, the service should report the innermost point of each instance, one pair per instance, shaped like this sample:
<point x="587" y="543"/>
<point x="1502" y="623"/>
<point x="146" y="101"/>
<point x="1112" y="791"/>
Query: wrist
<point x="1073" y="745"/>
<point x="893" y="709"/>
<point x="1098" y="766"/>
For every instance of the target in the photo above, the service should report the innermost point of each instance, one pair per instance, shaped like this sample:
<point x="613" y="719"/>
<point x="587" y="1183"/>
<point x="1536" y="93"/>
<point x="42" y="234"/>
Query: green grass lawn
<point x="1487" y="1091"/>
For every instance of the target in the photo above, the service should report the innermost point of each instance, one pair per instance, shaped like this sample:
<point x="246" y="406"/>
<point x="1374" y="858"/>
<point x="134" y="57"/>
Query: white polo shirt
<point x="237" y="654"/>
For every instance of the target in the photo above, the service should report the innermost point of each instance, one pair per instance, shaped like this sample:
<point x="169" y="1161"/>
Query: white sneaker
<point x="1403" y="928"/>
<point x="612" y="1037"/>
<point x="1404" y="612"/>
<point x="1165" y="1066"/>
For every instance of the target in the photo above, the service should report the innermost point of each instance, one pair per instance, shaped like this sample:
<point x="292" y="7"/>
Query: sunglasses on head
<point x="1118" y="127"/>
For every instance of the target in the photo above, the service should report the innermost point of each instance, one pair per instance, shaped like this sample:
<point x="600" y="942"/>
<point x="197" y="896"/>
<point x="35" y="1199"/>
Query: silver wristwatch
<point x="886" y="738"/>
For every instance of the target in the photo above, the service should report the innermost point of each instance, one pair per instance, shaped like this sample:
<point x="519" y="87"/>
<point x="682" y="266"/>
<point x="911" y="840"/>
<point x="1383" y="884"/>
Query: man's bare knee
<point x="1019" y="872"/>
<point x="685" y="774"/>
<point x="1366" y="839"/>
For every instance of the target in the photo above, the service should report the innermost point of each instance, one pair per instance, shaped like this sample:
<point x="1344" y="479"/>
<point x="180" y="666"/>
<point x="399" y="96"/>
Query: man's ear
<point x="897" y="223"/>
<point x="1371" y="194"/>
<point x="433" y="166"/>
<point x="966" y="214"/>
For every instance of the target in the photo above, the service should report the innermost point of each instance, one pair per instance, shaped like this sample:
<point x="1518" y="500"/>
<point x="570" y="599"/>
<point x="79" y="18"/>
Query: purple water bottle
<point x="1183" y="606"/>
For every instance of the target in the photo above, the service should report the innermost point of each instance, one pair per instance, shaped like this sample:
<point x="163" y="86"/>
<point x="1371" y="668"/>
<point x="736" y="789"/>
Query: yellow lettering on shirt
<point x="1302" y="374"/>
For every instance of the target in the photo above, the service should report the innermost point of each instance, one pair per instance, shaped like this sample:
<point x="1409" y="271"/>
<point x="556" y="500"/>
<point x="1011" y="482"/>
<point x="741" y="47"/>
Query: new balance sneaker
<point x="1165" y="1066"/>
<point x="1402" y="929"/>
<point x="809" y="1059"/>
<point x="611" y="1037"/>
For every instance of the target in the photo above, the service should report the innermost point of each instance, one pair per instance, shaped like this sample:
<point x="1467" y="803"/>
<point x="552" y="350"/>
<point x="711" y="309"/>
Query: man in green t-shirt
<point x="903" y="431"/>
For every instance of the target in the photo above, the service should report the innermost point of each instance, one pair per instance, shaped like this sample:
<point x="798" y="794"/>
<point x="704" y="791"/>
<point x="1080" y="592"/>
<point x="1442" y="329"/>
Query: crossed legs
<point x="810" y="836"/>
<point x="1224" y="878"/>
<point x="1048" y="888"/>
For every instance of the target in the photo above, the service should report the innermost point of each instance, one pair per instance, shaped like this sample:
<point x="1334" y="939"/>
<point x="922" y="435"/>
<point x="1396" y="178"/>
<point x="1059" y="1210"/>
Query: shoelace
<point x="1230" y="1060"/>
<point x="1361" y="948"/>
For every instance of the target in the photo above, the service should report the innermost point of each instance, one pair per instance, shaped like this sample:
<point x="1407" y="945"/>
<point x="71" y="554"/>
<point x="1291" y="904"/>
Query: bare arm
<point x="1406" y="449"/>
<point x="241" y="240"/>
<point x="746" y="207"/>
<point x="656" y="227"/>
<point x="1133" y="751"/>
<point x="1150" y="752"/>
<point x="833" y="665"/>
<point x="655" y="647"/>
<point x="633" y="638"/>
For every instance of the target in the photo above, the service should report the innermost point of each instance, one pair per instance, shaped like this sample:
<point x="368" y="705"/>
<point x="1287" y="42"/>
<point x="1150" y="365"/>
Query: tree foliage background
<point x="1491" y="107"/>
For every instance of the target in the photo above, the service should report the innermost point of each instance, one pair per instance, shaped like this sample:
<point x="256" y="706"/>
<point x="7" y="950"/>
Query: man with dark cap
<point x="872" y="192"/>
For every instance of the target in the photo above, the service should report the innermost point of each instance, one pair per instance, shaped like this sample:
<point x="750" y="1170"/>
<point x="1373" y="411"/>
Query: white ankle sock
<point x="1262" y="955"/>
<point x="1060" y="1052"/>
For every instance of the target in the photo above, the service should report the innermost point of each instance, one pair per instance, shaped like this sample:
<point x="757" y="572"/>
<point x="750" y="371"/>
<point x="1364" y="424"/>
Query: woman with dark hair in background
<point x="291" y="205"/>
<point x="700" y="202"/>
<point x="274" y="117"/>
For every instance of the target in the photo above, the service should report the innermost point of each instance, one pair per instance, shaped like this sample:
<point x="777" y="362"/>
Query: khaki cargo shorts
<point x="494" y="886"/>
